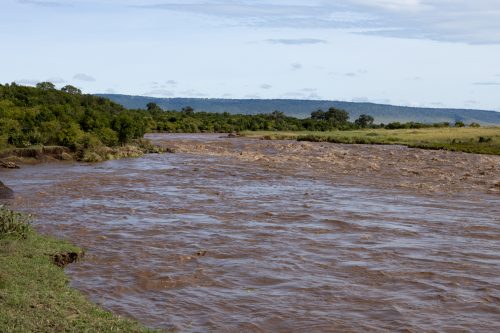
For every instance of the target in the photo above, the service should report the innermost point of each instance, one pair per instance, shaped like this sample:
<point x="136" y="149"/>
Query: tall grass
<point x="14" y="224"/>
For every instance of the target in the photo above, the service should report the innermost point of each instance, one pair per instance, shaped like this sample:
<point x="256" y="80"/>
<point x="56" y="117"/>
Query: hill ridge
<point x="383" y="113"/>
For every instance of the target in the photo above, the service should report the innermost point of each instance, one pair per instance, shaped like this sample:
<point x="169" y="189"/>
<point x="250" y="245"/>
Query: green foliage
<point x="364" y="121"/>
<point x="45" y="86"/>
<point x="14" y="224"/>
<point x="414" y="125"/>
<point x="71" y="90"/>
<point x="108" y="136"/>
<point x="124" y="127"/>
<point x="459" y="124"/>
<point x="336" y="118"/>
<point x="69" y="136"/>
<point x="46" y="116"/>
<point x="85" y="123"/>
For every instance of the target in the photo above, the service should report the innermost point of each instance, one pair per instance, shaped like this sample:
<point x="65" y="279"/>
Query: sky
<point x="435" y="53"/>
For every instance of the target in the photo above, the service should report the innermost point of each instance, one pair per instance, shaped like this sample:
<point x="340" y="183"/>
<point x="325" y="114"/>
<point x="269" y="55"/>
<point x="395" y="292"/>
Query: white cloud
<point x="41" y="3"/>
<point x="83" y="77"/>
<point x="395" y="5"/>
<point x="27" y="82"/>
<point x="297" y="41"/>
<point x="56" y="80"/>
<point x="474" y="22"/>
<point x="487" y="83"/>
<point x="159" y="92"/>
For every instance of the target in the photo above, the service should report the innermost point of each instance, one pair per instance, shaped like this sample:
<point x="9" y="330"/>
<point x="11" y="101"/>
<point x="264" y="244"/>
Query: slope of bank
<point x="34" y="291"/>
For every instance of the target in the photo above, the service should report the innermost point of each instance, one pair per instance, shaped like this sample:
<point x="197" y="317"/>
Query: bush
<point x="108" y="137"/>
<point x="476" y="125"/>
<point x="70" y="136"/>
<point x="14" y="224"/>
<point x="484" y="139"/>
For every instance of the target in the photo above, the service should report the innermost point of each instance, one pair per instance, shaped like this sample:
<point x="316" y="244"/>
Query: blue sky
<point x="438" y="53"/>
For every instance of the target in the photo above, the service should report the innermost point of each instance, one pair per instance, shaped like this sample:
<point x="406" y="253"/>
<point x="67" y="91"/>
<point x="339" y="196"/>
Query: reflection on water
<point x="212" y="243"/>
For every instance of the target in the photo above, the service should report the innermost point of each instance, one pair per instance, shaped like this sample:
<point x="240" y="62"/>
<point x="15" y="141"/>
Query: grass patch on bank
<point x="34" y="291"/>
<point x="483" y="140"/>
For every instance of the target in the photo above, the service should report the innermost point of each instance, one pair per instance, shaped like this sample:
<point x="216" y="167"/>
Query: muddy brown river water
<point x="244" y="235"/>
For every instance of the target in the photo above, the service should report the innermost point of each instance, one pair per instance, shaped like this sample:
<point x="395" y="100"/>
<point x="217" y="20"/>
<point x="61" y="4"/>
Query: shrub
<point x="474" y="125"/>
<point x="91" y="157"/>
<point x="484" y="139"/>
<point x="70" y="136"/>
<point x="108" y="137"/>
<point x="394" y="125"/>
<point x="14" y="224"/>
<point x="90" y="141"/>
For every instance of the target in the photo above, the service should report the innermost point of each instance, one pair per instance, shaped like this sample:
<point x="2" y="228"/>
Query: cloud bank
<point x="84" y="77"/>
<point x="472" y="22"/>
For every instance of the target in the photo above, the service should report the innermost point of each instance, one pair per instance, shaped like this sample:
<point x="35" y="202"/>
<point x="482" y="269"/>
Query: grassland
<point x="34" y="292"/>
<point x="483" y="140"/>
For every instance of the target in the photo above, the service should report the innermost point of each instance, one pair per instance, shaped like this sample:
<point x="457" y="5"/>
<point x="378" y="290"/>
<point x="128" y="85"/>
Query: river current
<point x="199" y="242"/>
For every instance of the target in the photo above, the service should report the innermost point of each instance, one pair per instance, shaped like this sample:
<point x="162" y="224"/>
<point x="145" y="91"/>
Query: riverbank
<point x="482" y="140"/>
<point x="37" y="154"/>
<point x="34" y="291"/>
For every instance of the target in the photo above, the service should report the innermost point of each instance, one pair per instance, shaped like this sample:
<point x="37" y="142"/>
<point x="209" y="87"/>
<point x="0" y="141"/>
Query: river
<point x="222" y="237"/>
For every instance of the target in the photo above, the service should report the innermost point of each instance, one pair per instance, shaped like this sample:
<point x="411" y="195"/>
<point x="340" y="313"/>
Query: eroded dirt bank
<point x="261" y="236"/>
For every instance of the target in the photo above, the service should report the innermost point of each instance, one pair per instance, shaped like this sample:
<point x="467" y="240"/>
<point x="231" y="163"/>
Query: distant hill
<point x="302" y="108"/>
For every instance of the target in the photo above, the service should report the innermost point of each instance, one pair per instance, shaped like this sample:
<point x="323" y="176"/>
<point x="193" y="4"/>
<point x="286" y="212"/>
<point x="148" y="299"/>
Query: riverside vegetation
<point x="485" y="140"/>
<point x="40" y="120"/>
<point x="34" y="291"/>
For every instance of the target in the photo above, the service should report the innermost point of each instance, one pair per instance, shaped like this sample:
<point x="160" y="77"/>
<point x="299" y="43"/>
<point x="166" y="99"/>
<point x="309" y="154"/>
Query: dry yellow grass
<point x="483" y="140"/>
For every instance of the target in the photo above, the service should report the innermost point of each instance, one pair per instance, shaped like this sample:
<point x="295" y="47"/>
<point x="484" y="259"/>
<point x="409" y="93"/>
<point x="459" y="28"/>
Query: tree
<point x="364" y="121"/>
<point x="318" y="115"/>
<point x="188" y="110"/>
<point x="124" y="127"/>
<point x="153" y="107"/>
<point x="71" y="90"/>
<point x="277" y="115"/>
<point x="337" y="117"/>
<point x="45" y="86"/>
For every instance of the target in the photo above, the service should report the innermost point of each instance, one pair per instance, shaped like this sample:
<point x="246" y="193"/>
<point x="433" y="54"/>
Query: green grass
<point x="34" y="292"/>
<point x="483" y="140"/>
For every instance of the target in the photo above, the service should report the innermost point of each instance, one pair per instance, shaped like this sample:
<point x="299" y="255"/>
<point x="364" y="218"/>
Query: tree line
<point x="44" y="115"/>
